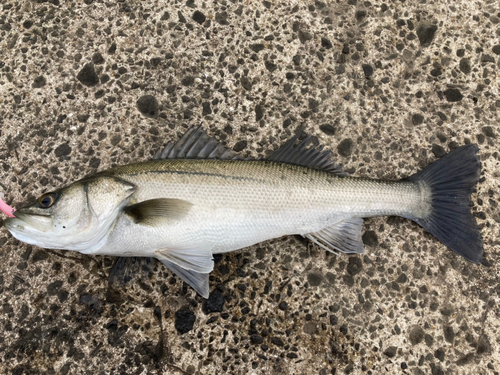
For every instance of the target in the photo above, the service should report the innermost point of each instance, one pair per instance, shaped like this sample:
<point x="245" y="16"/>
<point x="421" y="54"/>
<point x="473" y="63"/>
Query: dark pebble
<point x="442" y="116"/>
<point x="277" y="341"/>
<point x="449" y="334"/>
<point x="355" y="266"/>
<point x="94" y="162"/>
<point x="496" y="49"/>
<point x="257" y="47"/>
<point x="416" y="335"/>
<point x="315" y="278"/>
<point x="259" y="112"/>
<point x="368" y="70"/>
<point x="215" y="302"/>
<point x="283" y="306"/>
<point x="97" y="58"/>
<point x="245" y="82"/>
<point x="438" y="150"/>
<point x="270" y="66"/>
<point x="206" y="109"/>
<point x="327" y="129"/>
<point x="370" y="238"/>
<point x="256" y="339"/>
<point x="417" y="119"/>
<point x="240" y="146"/>
<point x="464" y="66"/>
<point x="348" y="280"/>
<point x="148" y="106"/>
<point x="184" y="320"/>
<point x="345" y="147"/>
<point x="488" y="131"/>
<point x="390" y="351"/>
<point x="39" y="82"/>
<point x="199" y="17"/>
<point x="453" y="95"/>
<point x="436" y="369"/>
<point x="487" y="58"/>
<point x="465" y="359"/>
<point x="325" y="43"/>
<point x="439" y="354"/>
<point x="360" y="15"/>
<point x="334" y="320"/>
<point x="40" y="255"/>
<point x="115" y="139"/>
<point x="54" y="287"/>
<point x="436" y="72"/>
<point x="304" y="36"/>
<point x="62" y="150"/>
<point x="313" y="103"/>
<point x="87" y="75"/>
<point x="187" y="81"/>
<point x="426" y="34"/>
<point x="155" y="61"/>
<point x="221" y="18"/>
<point x="483" y="344"/>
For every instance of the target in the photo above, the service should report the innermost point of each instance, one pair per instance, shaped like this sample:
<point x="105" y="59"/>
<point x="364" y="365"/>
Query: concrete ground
<point x="388" y="86"/>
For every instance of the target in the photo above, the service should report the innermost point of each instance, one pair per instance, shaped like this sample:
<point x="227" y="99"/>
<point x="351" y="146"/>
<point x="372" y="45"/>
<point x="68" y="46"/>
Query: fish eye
<point x="47" y="200"/>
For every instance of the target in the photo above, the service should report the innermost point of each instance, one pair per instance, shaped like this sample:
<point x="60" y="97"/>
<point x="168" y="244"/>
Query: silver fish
<point x="199" y="198"/>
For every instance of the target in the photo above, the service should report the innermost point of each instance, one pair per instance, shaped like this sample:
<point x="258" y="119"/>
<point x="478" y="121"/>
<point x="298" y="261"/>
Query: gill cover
<point x="76" y="217"/>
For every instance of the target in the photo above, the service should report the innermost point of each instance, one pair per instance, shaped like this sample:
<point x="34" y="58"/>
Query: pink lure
<point x="6" y="209"/>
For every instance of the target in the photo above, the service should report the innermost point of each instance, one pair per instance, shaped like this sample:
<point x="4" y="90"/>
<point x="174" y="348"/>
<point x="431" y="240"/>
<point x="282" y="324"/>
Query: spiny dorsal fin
<point x="196" y="144"/>
<point x="313" y="157"/>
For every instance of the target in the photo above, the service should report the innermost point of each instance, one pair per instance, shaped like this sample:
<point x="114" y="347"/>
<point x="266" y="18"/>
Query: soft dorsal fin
<point x="196" y="144"/>
<point x="313" y="157"/>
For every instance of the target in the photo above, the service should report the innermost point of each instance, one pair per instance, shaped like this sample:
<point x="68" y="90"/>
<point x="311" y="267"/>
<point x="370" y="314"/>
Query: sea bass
<point x="198" y="198"/>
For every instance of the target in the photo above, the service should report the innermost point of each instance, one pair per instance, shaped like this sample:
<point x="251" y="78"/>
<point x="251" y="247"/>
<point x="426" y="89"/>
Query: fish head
<point x="77" y="217"/>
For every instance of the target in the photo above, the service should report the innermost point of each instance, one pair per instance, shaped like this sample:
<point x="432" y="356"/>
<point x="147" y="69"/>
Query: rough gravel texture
<point x="387" y="86"/>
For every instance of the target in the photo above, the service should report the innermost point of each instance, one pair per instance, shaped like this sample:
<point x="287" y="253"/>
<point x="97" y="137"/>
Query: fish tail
<point x="451" y="181"/>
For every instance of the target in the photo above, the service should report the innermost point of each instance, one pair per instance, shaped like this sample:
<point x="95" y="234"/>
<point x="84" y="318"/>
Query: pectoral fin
<point x="125" y="269"/>
<point x="174" y="209"/>
<point x="197" y="280"/>
<point x="344" y="236"/>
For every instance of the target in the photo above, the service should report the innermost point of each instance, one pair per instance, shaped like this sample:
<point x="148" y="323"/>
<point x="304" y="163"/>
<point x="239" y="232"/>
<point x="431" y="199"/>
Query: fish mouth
<point x="28" y="221"/>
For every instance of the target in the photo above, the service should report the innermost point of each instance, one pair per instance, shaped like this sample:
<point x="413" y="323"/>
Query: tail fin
<point x="451" y="180"/>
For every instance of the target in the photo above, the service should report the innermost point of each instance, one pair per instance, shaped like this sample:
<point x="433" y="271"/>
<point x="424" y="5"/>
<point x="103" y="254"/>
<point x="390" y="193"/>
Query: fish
<point x="197" y="198"/>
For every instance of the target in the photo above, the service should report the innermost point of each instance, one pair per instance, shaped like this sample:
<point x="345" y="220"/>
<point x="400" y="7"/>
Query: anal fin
<point x="197" y="280"/>
<point x="191" y="265"/>
<point x="344" y="236"/>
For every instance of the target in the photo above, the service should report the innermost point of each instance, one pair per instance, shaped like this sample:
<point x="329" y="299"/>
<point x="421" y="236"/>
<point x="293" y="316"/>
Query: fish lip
<point x="22" y="215"/>
<point x="13" y="223"/>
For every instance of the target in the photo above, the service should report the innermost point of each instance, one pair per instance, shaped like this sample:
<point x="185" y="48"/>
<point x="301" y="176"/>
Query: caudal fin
<point x="451" y="180"/>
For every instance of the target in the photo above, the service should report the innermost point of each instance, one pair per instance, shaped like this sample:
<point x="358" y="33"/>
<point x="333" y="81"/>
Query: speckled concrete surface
<point x="388" y="86"/>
